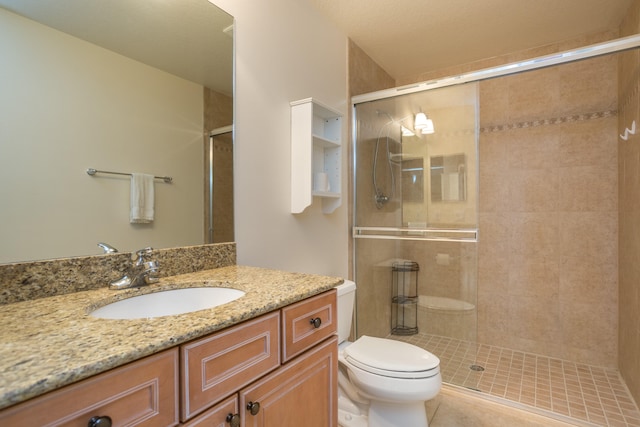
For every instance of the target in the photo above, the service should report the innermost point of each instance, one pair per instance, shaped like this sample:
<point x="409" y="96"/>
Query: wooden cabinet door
<point x="301" y="393"/>
<point x="218" y="416"/>
<point x="222" y="363"/>
<point x="142" y="393"/>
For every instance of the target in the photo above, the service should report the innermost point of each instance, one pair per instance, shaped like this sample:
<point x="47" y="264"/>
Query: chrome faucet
<point x="141" y="272"/>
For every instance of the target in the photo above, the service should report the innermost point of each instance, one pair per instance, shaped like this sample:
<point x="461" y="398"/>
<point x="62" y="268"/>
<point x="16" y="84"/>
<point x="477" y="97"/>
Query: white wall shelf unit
<point x="316" y="133"/>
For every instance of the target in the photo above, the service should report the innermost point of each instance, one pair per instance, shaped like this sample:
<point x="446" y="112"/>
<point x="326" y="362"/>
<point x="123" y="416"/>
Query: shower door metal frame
<point x="590" y="51"/>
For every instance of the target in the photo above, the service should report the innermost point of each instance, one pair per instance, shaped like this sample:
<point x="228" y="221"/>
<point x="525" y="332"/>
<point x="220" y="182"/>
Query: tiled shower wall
<point x="548" y="212"/>
<point x="629" y="201"/>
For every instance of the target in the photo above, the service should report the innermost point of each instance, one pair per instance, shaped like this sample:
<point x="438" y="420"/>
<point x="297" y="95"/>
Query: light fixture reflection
<point x="420" y="121"/>
<point x="428" y="129"/>
<point x="423" y="124"/>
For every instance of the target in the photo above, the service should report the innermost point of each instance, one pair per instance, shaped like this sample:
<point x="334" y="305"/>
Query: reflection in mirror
<point x="398" y="162"/>
<point x="220" y="186"/>
<point x="413" y="180"/>
<point x="113" y="86"/>
<point x="445" y="161"/>
<point x="448" y="178"/>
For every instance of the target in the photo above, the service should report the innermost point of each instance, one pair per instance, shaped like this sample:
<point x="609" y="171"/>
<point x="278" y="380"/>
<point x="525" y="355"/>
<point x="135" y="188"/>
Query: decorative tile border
<point x="552" y="121"/>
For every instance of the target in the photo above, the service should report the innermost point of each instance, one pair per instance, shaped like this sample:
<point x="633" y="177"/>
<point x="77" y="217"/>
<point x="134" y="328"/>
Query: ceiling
<point x="409" y="37"/>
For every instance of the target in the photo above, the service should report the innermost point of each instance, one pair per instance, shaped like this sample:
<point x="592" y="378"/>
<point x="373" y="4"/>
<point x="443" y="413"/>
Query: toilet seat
<point x="391" y="358"/>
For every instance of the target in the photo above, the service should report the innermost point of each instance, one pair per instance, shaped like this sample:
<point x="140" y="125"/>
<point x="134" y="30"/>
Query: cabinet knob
<point x="104" y="421"/>
<point x="253" y="407"/>
<point x="316" y="322"/>
<point x="233" y="420"/>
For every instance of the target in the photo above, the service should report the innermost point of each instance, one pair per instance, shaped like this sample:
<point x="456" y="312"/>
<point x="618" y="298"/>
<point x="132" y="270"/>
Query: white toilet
<point x="382" y="383"/>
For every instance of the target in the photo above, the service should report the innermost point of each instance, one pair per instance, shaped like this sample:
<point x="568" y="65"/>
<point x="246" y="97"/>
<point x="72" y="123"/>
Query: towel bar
<point x="92" y="172"/>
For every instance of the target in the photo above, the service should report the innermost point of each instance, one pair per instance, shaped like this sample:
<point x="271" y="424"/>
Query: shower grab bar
<point x="467" y="235"/>
<point x="92" y="172"/>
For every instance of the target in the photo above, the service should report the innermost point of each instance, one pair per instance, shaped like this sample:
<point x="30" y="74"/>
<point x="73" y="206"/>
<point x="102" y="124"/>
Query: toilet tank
<point x="346" y="301"/>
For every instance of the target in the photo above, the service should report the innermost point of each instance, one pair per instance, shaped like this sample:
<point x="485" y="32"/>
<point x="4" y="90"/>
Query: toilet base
<point x="347" y="419"/>
<point x="383" y="414"/>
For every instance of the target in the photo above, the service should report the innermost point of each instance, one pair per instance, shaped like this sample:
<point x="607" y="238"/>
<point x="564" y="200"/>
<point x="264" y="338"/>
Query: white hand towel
<point x="142" y="195"/>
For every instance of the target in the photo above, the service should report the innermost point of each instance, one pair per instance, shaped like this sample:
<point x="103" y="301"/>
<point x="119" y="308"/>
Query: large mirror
<point x="119" y="86"/>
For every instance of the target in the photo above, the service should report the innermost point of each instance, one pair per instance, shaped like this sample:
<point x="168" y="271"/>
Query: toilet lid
<point x="391" y="358"/>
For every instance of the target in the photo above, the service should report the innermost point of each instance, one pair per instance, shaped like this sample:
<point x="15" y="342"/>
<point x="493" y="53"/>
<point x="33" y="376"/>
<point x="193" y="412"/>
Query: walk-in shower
<point x="510" y="213"/>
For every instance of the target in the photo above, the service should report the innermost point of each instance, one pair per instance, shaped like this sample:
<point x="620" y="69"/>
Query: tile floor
<point x="588" y="395"/>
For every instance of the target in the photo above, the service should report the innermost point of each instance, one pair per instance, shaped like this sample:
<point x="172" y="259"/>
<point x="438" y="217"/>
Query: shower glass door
<point x="415" y="217"/>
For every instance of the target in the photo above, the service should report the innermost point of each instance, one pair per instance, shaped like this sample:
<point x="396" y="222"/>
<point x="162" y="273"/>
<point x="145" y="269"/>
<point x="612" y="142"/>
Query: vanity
<point x="268" y="358"/>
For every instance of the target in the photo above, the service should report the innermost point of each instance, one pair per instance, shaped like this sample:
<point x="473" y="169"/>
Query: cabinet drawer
<point x="216" y="366"/>
<point x="142" y="393"/>
<point x="217" y="416"/>
<point x="301" y="393"/>
<point x="298" y="329"/>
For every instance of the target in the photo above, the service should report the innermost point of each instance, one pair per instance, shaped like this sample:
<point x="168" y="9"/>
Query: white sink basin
<point x="167" y="303"/>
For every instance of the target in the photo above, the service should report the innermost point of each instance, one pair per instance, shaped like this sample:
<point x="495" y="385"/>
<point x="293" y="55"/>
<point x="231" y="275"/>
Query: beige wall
<point x="629" y="232"/>
<point x="62" y="113"/>
<point x="276" y="63"/>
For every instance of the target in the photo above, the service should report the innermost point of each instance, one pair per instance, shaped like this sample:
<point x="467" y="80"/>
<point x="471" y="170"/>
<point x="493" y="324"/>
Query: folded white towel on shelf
<point x="142" y="198"/>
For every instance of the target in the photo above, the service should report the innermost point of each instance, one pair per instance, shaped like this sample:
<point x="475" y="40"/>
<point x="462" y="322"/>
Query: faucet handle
<point x="141" y="254"/>
<point x="107" y="248"/>
<point x="151" y="271"/>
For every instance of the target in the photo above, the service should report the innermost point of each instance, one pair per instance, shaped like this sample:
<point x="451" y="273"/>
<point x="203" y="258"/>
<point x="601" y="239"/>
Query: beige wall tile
<point x="588" y="188"/>
<point x="535" y="235"/>
<point x="582" y="88"/>
<point x="586" y="331"/>
<point x="533" y="190"/>
<point x="629" y="206"/>
<point x="588" y="143"/>
<point x="590" y="235"/>
<point x="593" y="282"/>
<point x="533" y="95"/>
<point x="535" y="319"/>
<point x="534" y="148"/>
<point x="534" y="277"/>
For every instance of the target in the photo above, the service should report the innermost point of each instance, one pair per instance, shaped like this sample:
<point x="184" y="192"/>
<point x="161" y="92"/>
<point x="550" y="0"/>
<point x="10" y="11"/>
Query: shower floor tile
<point x="585" y="393"/>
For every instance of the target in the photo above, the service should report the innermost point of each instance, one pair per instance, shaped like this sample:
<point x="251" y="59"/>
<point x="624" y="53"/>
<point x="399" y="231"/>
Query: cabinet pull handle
<point x="253" y="407"/>
<point x="103" y="421"/>
<point x="316" y="322"/>
<point x="233" y="420"/>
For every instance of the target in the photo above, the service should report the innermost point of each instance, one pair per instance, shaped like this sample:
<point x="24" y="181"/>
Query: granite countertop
<point x="51" y="342"/>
